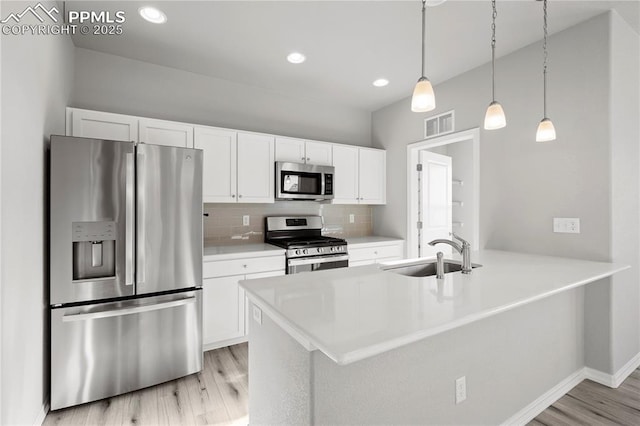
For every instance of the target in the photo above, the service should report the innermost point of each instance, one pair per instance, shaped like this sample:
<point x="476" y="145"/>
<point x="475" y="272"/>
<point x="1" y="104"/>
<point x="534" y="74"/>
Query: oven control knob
<point x="304" y="251"/>
<point x="297" y="251"/>
<point x="333" y="249"/>
<point x="320" y="249"/>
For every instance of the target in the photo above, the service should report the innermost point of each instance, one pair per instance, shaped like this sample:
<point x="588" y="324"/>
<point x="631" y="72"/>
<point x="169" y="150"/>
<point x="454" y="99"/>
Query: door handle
<point x="128" y="311"/>
<point x="140" y="219"/>
<point x="129" y="218"/>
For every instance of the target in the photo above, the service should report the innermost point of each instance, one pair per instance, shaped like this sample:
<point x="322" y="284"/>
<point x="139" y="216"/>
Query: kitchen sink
<point x="426" y="269"/>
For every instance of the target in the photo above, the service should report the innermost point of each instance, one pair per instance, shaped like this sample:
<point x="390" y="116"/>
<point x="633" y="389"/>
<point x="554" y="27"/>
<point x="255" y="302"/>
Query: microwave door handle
<point x="322" y="177"/>
<point x="129" y="217"/>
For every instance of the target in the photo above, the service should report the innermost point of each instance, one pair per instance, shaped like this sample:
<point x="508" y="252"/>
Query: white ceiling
<point x="348" y="43"/>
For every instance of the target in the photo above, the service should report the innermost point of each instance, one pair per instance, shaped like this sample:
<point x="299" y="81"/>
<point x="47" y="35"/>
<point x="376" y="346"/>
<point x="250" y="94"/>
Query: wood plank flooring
<point x="218" y="395"/>
<point x="590" y="403"/>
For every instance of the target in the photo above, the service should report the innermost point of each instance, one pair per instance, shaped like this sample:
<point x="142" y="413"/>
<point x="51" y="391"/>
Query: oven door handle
<point x="317" y="259"/>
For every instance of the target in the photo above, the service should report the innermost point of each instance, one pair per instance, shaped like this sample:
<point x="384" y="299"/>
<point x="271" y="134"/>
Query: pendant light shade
<point x="546" y="131"/>
<point x="423" y="99"/>
<point x="494" y="118"/>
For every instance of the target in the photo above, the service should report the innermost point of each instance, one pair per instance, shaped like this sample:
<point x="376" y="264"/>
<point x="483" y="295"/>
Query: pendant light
<point x="546" y="131"/>
<point x="423" y="99"/>
<point x="494" y="118"/>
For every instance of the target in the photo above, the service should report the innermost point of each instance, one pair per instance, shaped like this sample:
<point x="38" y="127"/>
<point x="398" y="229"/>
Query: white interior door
<point x="435" y="202"/>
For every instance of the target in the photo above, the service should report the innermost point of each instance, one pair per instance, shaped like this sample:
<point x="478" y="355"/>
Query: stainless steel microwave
<point x="296" y="181"/>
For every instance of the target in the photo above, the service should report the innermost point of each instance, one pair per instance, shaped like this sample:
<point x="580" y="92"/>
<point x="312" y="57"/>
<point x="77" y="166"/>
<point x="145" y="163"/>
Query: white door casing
<point x="435" y="201"/>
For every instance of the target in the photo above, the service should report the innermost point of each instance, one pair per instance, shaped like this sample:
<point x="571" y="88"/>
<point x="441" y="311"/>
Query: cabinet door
<point x="169" y="133"/>
<point x="372" y="176"/>
<point x="345" y="187"/>
<point x="319" y="153"/>
<point x="218" y="164"/>
<point x="222" y="309"/>
<point x="289" y="149"/>
<point x="103" y="125"/>
<point x="255" y="168"/>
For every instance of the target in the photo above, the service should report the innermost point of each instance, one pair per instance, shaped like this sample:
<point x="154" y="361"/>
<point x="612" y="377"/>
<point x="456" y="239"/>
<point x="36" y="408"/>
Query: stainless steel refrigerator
<point x="126" y="267"/>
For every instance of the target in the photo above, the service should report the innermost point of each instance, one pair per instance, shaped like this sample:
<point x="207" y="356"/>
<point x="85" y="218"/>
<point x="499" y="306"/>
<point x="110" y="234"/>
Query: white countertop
<point x="371" y="240"/>
<point x="355" y="313"/>
<point x="239" y="251"/>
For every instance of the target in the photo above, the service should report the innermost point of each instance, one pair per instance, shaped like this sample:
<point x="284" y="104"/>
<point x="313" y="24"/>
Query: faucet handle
<point x="462" y="240"/>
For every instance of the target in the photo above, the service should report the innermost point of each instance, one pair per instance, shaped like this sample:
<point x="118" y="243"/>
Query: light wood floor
<point x="590" y="403"/>
<point x="216" y="395"/>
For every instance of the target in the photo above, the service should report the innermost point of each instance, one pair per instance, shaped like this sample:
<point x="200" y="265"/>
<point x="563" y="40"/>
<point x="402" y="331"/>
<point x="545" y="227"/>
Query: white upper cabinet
<point x="319" y="153"/>
<point x="255" y="168"/>
<point x="219" y="164"/>
<point x="345" y="161"/>
<point x="300" y="151"/>
<point x="101" y="125"/>
<point x="168" y="133"/>
<point x="360" y="175"/>
<point x="372" y="176"/>
<point x="289" y="149"/>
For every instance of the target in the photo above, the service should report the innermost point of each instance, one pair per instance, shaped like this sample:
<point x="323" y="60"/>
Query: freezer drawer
<point x="102" y="350"/>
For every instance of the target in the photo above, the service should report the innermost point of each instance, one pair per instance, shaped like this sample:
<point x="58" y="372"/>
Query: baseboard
<point x="613" y="380"/>
<point x="529" y="412"/>
<point x="42" y="414"/>
<point x="223" y="343"/>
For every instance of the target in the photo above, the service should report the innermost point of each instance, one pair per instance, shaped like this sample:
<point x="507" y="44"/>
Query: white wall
<point x="589" y="172"/>
<point x="523" y="184"/>
<point x="37" y="72"/>
<point x="116" y="84"/>
<point x="625" y="190"/>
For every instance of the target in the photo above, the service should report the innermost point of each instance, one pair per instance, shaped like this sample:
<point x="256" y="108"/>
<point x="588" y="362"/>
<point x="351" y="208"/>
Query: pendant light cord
<point x="424" y="7"/>
<point x="493" y="51"/>
<point x="544" y="69"/>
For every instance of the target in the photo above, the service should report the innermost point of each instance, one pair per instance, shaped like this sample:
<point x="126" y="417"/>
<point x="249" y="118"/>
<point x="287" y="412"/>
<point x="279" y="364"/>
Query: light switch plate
<point x="257" y="314"/>
<point x="461" y="389"/>
<point x="352" y="218"/>
<point x="566" y="225"/>
<point x="246" y="220"/>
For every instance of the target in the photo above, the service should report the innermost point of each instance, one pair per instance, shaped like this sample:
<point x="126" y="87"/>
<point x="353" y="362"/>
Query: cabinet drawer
<point x="254" y="265"/>
<point x="375" y="253"/>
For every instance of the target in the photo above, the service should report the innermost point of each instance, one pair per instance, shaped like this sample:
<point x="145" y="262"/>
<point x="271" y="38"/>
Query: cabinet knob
<point x="239" y="196"/>
<point x="375" y="252"/>
<point x="244" y="266"/>
<point x="308" y="159"/>
<point x="302" y="158"/>
<point x="233" y="195"/>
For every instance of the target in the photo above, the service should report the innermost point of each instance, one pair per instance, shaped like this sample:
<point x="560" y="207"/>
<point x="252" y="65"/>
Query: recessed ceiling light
<point x="296" y="58"/>
<point x="381" y="82"/>
<point x="152" y="14"/>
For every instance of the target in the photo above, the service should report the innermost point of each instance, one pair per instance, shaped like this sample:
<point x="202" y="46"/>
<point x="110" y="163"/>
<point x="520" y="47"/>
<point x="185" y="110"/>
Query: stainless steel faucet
<point x="464" y="248"/>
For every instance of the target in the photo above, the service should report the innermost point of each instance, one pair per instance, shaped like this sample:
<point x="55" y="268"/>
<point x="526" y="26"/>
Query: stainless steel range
<point x="307" y="249"/>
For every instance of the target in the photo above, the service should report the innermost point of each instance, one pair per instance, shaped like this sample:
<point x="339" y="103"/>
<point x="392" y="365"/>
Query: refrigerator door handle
<point x="128" y="311"/>
<point x="141" y="217"/>
<point x="129" y="219"/>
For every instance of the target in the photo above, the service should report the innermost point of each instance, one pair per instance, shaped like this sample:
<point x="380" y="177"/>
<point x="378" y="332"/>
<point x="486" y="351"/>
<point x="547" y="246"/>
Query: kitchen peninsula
<point x="366" y="345"/>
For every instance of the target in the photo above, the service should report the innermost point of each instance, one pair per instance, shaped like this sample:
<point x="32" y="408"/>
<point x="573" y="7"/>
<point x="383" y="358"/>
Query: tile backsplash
<point x="224" y="226"/>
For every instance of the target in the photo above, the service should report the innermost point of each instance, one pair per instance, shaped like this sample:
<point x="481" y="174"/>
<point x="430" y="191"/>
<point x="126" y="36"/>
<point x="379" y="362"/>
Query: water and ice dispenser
<point x="94" y="250"/>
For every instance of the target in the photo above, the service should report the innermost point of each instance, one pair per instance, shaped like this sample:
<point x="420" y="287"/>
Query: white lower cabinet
<point x="224" y="305"/>
<point x="368" y="254"/>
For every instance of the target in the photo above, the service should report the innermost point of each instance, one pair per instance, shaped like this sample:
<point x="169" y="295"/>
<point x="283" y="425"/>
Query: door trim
<point x="413" y="150"/>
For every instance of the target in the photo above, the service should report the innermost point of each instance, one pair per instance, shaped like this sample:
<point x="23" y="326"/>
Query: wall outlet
<point x="257" y="314"/>
<point x="566" y="225"/>
<point x="461" y="389"/>
<point x="352" y="218"/>
<point x="246" y="220"/>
